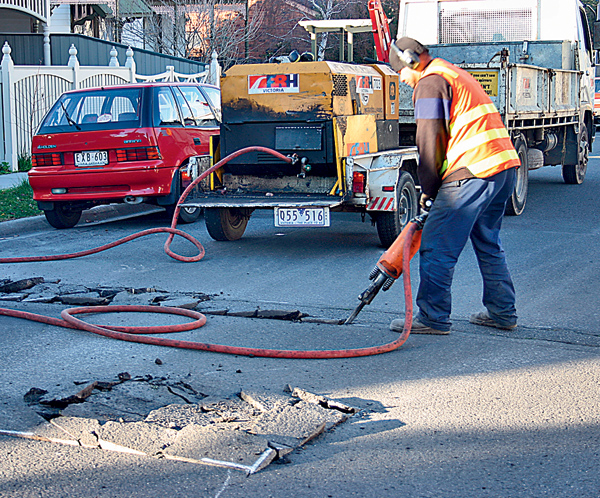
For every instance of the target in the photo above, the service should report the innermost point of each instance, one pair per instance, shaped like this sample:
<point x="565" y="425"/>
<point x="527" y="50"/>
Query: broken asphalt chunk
<point x="280" y="314"/>
<point x="20" y="285"/>
<point x="129" y="298"/>
<point x="243" y="314"/>
<point x="14" y="296"/>
<point x="34" y="395"/>
<point x="320" y="400"/>
<point x="180" y="302"/>
<point x="84" y="299"/>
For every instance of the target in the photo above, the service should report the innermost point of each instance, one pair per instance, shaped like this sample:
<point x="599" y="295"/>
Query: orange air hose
<point x="140" y="334"/>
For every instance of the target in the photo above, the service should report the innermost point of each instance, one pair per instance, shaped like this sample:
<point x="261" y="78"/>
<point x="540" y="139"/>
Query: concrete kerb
<point x="96" y="215"/>
<point x="12" y="180"/>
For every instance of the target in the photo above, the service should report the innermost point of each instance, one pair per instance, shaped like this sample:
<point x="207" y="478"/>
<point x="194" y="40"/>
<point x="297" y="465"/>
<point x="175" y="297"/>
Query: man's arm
<point x="433" y="99"/>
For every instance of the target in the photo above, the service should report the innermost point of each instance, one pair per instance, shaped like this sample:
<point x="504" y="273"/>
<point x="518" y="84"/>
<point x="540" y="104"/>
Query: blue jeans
<point x="464" y="209"/>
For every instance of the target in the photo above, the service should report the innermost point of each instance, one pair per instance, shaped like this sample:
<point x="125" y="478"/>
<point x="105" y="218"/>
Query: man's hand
<point x="423" y="202"/>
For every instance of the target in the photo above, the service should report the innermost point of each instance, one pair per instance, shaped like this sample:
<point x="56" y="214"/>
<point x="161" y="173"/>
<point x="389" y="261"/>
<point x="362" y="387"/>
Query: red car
<point x="121" y="144"/>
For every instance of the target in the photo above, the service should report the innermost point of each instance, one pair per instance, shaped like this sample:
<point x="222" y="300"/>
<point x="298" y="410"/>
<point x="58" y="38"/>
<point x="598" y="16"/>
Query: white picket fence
<point x="28" y="92"/>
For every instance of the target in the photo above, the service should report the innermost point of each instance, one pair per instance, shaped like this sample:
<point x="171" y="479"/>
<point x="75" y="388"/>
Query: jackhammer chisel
<point x="389" y="267"/>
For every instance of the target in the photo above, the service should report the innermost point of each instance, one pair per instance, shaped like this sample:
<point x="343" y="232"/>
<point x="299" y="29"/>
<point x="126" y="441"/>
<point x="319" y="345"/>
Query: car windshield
<point x="105" y="109"/>
<point x="597" y="84"/>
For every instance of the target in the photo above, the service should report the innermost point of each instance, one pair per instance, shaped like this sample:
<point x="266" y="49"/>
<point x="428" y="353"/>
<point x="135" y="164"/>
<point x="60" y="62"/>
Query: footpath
<point x="11" y="180"/>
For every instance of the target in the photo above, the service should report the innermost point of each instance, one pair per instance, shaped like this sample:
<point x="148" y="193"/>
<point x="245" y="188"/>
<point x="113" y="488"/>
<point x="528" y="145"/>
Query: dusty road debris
<point x="172" y="418"/>
<point x="38" y="290"/>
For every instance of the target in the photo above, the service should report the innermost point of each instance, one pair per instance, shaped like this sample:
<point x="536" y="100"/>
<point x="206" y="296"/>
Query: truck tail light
<point x="138" y="154"/>
<point x="54" y="159"/>
<point x="358" y="182"/>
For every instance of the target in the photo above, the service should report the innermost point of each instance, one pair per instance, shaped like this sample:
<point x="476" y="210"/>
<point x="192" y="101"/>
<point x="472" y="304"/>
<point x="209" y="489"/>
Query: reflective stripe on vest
<point x="478" y="140"/>
<point x="507" y="156"/>
<point x="475" y="141"/>
<point x="473" y="115"/>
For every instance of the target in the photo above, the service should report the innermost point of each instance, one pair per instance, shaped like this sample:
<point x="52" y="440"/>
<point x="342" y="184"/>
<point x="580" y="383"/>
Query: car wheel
<point x="226" y="223"/>
<point x="389" y="225"/>
<point x="187" y="214"/>
<point x="62" y="216"/>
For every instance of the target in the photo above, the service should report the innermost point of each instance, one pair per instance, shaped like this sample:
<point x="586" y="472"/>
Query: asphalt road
<point x="477" y="413"/>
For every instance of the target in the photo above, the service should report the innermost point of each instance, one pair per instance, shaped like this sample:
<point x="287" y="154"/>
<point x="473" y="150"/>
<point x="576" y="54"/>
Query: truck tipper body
<point x="534" y="60"/>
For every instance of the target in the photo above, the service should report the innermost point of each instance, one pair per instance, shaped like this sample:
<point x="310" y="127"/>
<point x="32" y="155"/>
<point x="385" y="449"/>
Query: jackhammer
<point x="389" y="267"/>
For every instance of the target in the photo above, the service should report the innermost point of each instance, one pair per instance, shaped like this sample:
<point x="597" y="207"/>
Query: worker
<point x="467" y="167"/>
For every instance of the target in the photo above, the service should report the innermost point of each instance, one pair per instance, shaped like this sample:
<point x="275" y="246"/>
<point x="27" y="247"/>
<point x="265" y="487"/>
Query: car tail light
<point x="358" y="182"/>
<point x="138" y="154"/>
<point x="54" y="159"/>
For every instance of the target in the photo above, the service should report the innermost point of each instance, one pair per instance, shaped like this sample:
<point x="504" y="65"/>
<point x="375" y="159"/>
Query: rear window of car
<point x="106" y="109"/>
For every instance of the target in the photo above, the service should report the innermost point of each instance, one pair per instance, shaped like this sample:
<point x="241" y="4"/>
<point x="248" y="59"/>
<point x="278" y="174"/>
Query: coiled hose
<point x="140" y="334"/>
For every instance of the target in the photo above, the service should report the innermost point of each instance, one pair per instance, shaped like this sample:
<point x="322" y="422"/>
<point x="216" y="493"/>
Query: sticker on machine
<point x="366" y="84"/>
<point x="274" y="83"/>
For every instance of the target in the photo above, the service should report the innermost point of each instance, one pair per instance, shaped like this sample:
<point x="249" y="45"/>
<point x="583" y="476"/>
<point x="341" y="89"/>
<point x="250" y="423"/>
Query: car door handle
<point x="197" y="141"/>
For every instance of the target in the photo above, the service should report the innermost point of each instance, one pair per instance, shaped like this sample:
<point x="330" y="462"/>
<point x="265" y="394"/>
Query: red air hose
<point x="139" y="334"/>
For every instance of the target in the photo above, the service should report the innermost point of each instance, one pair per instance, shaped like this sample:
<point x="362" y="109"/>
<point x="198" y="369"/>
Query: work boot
<point x="417" y="327"/>
<point x="484" y="318"/>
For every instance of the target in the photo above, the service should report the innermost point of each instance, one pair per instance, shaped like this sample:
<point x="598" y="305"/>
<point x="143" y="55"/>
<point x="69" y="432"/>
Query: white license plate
<point x="91" y="158"/>
<point x="302" y="217"/>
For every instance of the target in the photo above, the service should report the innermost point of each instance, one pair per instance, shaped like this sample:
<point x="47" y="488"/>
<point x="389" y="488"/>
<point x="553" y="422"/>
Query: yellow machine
<point x="340" y="119"/>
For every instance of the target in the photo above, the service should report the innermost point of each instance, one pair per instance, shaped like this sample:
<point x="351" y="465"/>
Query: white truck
<point x="534" y="58"/>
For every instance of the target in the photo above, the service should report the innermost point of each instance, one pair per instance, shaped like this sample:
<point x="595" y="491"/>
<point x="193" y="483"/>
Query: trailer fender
<point x="382" y="176"/>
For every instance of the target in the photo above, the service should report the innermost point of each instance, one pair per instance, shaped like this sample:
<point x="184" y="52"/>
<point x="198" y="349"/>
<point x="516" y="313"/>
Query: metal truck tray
<point x="215" y="200"/>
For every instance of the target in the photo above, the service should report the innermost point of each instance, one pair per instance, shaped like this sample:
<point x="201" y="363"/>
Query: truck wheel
<point x="187" y="214"/>
<point x="226" y="223"/>
<point x="516" y="202"/>
<point x="389" y="225"/>
<point x="574" y="174"/>
<point x="62" y="216"/>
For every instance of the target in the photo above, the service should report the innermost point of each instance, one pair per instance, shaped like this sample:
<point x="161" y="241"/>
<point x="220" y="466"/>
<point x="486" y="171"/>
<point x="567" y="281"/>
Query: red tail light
<point x="54" y="159"/>
<point x="138" y="154"/>
<point x="358" y="182"/>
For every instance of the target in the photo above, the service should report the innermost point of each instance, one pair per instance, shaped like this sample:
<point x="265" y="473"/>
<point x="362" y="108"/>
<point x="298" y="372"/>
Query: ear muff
<point x="408" y="57"/>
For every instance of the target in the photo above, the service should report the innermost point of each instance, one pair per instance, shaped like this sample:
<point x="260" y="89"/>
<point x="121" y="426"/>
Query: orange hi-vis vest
<point x="478" y="139"/>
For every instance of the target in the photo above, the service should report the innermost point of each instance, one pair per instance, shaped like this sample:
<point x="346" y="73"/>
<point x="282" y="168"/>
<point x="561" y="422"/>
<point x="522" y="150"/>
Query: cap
<point x="408" y="46"/>
<point x="405" y="43"/>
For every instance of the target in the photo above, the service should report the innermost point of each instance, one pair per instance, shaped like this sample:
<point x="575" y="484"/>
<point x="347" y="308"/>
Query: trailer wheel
<point x="574" y="174"/>
<point x="62" y="216"/>
<point x="389" y="225"/>
<point x="516" y="202"/>
<point x="226" y="223"/>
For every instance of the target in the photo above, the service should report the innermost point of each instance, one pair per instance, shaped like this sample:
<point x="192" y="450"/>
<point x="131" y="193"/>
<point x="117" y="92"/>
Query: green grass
<point x="17" y="202"/>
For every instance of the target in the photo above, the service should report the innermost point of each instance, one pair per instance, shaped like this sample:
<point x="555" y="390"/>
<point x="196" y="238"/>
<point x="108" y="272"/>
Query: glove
<point x="425" y="202"/>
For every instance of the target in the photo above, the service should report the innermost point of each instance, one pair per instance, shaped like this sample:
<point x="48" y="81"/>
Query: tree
<point x="195" y="28"/>
<point x="284" y="34"/>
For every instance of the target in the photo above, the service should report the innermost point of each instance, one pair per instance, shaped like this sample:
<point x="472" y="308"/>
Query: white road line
<point x="225" y="484"/>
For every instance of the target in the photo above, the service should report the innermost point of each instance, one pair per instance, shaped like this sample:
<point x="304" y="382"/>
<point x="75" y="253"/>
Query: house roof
<point x="134" y="8"/>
